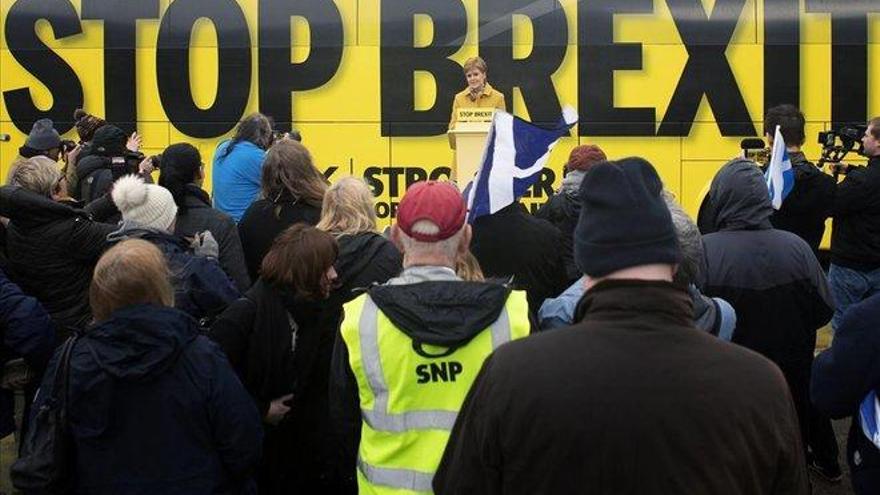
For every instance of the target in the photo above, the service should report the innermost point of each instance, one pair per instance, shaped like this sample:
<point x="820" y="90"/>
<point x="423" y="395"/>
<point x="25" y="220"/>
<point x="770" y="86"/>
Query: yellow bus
<point x="370" y="83"/>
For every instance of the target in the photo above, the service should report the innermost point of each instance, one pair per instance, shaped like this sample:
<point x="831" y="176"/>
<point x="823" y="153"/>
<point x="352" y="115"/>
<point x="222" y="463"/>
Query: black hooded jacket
<point x="52" y="250"/>
<point x="93" y="178"/>
<point x="364" y="259"/>
<point x="442" y="313"/>
<point x="771" y="278"/>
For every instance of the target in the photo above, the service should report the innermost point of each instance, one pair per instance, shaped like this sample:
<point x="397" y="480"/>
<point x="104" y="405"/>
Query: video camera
<point x="67" y="145"/>
<point x="291" y="134"/>
<point x="837" y="143"/>
<point x="127" y="164"/>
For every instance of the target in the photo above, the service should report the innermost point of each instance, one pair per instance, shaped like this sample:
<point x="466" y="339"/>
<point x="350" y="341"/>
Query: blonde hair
<point x="131" y="272"/>
<point x="475" y="63"/>
<point x="348" y="208"/>
<point x="468" y="268"/>
<point x="38" y="174"/>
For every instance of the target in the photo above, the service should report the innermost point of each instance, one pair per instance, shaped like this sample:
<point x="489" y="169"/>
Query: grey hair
<point x="38" y="174"/>
<point x="447" y="248"/>
<point x="689" y="240"/>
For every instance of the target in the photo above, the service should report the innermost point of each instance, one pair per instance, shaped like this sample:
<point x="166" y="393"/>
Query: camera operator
<point x="855" y="241"/>
<point x="808" y="205"/>
<point x="109" y="158"/>
<point x="44" y="140"/>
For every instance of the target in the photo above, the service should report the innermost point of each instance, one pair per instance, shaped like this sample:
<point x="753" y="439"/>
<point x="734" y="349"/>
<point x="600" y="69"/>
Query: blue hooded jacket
<point x="156" y="408"/>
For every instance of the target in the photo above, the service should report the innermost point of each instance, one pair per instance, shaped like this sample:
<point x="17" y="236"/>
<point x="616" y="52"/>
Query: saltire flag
<point x="779" y="174"/>
<point x="869" y="413"/>
<point x="515" y="153"/>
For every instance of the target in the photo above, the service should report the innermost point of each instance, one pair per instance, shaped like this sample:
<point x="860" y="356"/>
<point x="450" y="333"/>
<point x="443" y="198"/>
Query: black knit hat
<point x="181" y="155"/>
<point x="624" y="221"/>
<point x="109" y="140"/>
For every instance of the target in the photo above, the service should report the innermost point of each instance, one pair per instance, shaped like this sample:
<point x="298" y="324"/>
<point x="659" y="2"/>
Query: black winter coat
<point x="199" y="216"/>
<point x="511" y="242"/>
<point x="855" y="239"/>
<point x="259" y="348"/>
<point x="52" y="250"/>
<point x="94" y="177"/>
<point x="280" y="345"/>
<point x="260" y="225"/>
<point x="808" y="205"/>
<point x="364" y="259"/>
<point x="632" y="400"/>
<point x="842" y="376"/>
<point x="563" y="210"/>
<point x="770" y="277"/>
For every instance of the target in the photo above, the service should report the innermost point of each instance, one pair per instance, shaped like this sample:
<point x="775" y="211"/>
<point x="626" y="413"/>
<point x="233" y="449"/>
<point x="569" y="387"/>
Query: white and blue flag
<point x="779" y="175"/>
<point x="516" y="152"/>
<point x="869" y="412"/>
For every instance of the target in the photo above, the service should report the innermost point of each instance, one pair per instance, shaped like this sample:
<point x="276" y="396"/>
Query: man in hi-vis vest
<point x="410" y="349"/>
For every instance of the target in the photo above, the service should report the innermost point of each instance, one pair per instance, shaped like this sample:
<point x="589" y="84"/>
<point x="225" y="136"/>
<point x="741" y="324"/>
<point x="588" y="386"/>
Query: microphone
<point x="5" y="137"/>
<point x="755" y="150"/>
<point x="752" y="144"/>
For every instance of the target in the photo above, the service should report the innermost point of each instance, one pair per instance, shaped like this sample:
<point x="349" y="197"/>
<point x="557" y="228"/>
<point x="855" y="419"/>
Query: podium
<point x="467" y="138"/>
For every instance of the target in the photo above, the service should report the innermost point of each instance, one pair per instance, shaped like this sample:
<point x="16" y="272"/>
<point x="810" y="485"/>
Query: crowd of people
<point x="269" y="338"/>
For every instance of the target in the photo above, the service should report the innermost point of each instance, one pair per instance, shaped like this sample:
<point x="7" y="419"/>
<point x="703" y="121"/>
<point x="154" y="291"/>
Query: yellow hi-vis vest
<point x="409" y="402"/>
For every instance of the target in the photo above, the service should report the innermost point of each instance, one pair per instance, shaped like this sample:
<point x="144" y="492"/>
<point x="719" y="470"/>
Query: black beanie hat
<point x="181" y="155"/>
<point x="624" y="221"/>
<point x="109" y="140"/>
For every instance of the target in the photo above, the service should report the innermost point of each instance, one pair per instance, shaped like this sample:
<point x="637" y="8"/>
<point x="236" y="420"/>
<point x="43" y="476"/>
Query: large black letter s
<point x="43" y="63"/>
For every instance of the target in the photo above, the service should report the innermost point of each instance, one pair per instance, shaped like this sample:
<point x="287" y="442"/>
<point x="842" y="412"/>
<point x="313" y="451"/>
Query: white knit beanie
<point x="146" y="205"/>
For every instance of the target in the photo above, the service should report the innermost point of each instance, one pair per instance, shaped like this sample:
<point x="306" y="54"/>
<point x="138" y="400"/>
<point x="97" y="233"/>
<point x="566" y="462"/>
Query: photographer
<point x="44" y="140"/>
<point x="238" y="165"/>
<point x="808" y="205"/>
<point x="52" y="246"/>
<point x="855" y="241"/>
<point x="109" y="158"/>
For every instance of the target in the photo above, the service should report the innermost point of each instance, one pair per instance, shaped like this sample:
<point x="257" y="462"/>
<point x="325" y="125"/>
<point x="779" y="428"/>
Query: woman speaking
<point x="478" y="94"/>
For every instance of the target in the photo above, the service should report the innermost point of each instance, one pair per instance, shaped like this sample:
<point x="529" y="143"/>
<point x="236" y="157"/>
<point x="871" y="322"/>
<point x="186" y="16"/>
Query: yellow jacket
<point x="489" y="98"/>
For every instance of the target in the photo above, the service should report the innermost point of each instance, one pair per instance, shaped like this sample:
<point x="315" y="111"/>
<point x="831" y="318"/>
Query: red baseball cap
<point x="438" y="202"/>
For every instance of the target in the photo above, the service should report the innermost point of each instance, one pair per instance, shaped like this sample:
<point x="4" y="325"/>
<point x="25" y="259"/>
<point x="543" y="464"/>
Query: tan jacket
<point x="489" y="98"/>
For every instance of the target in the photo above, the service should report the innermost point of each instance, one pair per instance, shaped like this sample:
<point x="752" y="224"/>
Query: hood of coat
<point x="165" y="241"/>
<point x="356" y="253"/>
<point x="738" y="198"/>
<point x="28" y="209"/>
<point x="86" y="166"/>
<point x="140" y="342"/>
<point x="442" y="313"/>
